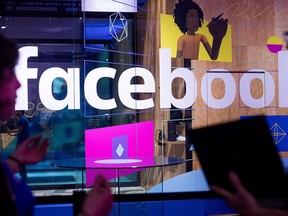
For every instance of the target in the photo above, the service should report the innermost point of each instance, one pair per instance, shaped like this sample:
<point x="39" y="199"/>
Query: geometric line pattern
<point x="277" y="133"/>
<point x="118" y="26"/>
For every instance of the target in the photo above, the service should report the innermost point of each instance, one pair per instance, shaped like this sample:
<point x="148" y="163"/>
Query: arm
<point x="218" y="29"/>
<point x="179" y="54"/>
<point x="214" y="51"/>
<point x="31" y="151"/>
<point x="179" y="47"/>
<point x="243" y="201"/>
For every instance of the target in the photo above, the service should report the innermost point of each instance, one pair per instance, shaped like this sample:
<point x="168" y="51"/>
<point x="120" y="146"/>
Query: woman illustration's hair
<point x="180" y="13"/>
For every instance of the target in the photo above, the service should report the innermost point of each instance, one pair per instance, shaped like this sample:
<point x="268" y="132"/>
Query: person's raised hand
<point x="218" y="28"/>
<point x="242" y="200"/>
<point x="99" y="201"/>
<point x="32" y="150"/>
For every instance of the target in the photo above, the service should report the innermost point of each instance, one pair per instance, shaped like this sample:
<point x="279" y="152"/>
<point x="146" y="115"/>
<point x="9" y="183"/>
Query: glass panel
<point x="107" y="87"/>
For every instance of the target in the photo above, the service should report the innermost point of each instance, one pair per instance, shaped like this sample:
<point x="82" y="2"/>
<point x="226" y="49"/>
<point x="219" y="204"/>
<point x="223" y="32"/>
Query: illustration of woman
<point x="189" y="18"/>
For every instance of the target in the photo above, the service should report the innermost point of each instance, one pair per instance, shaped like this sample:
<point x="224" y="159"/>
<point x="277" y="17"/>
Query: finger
<point x="41" y="152"/>
<point x="44" y="145"/>
<point x="230" y="198"/>
<point x="27" y="143"/>
<point x="236" y="182"/>
<point x="102" y="184"/>
<point x="225" y="22"/>
<point x="97" y="185"/>
<point x="222" y="192"/>
<point x="240" y="189"/>
<point x="101" y="181"/>
<point x="106" y="185"/>
<point x="35" y="142"/>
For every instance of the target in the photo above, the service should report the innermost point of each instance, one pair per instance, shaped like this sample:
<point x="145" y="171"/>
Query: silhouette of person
<point x="15" y="195"/>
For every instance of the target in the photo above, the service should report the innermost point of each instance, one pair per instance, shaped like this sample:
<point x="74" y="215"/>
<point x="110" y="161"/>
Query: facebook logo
<point x="120" y="147"/>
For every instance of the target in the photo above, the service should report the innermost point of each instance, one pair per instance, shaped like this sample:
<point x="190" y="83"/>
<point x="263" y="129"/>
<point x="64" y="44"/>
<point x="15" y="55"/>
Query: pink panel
<point x="116" y="147"/>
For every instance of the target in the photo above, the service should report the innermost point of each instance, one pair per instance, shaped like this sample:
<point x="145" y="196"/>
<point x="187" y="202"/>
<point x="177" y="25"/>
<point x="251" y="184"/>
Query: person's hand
<point x="218" y="28"/>
<point x="99" y="201"/>
<point x="32" y="150"/>
<point x="242" y="201"/>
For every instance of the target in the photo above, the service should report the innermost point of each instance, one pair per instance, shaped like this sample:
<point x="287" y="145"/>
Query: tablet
<point x="247" y="148"/>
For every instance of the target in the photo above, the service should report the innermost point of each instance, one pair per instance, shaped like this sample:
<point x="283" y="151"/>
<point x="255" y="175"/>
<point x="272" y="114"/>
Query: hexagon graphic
<point x="118" y="26"/>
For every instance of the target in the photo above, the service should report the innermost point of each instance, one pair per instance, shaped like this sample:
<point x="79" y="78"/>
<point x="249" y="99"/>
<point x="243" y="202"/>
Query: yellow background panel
<point x="170" y="34"/>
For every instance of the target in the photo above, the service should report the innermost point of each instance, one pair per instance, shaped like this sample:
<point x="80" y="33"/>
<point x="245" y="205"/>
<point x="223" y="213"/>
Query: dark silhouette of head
<point x="8" y="54"/>
<point x="180" y="13"/>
